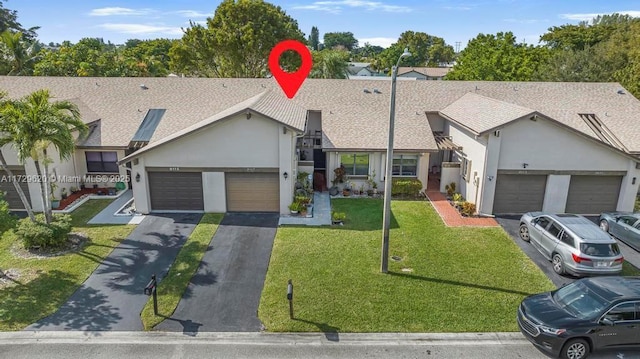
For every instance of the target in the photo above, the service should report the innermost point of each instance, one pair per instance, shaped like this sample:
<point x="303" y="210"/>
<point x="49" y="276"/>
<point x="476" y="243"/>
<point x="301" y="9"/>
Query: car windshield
<point x="577" y="299"/>
<point x="600" y="249"/>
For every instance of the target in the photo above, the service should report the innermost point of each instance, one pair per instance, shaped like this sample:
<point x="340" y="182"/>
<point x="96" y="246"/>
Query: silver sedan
<point x="624" y="226"/>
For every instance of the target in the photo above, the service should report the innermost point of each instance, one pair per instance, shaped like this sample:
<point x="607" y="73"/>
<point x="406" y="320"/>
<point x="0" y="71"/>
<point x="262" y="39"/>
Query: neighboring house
<point x="218" y="145"/>
<point x="424" y="73"/>
<point x="360" y="69"/>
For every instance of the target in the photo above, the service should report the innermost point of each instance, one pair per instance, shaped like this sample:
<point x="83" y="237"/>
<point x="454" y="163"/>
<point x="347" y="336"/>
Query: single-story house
<point x="424" y="73"/>
<point x="218" y="145"/>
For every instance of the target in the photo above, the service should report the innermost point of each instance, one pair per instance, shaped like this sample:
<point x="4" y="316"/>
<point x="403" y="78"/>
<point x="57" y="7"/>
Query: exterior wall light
<point x="137" y="177"/>
<point x="285" y="175"/>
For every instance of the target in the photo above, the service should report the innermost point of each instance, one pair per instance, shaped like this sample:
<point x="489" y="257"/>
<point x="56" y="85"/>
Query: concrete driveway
<point x="225" y="293"/>
<point x="112" y="297"/>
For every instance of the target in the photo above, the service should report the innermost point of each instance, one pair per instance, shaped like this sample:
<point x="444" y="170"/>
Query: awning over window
<point x="444" y="142"/>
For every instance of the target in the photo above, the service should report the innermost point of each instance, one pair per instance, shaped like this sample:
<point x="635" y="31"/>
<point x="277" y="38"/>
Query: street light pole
<point x="386" y="216"/>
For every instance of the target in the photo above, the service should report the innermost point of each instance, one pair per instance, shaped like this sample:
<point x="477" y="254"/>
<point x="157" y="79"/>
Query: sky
<point x="376" y="22"/>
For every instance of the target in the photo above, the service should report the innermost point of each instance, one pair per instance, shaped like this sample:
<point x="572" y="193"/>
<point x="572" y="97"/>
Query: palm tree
<point x="6" y="137"/>
<point x="39" y="125"/>
<point x="18" y="53"/>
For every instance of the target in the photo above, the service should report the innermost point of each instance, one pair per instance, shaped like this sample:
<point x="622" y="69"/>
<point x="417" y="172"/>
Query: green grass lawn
<point x="47" y="283"/>
<point x="459" y="279"/>
<point x="172" y="288"/>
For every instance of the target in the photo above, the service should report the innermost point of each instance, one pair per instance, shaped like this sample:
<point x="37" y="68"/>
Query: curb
<point x="226" y="338"/>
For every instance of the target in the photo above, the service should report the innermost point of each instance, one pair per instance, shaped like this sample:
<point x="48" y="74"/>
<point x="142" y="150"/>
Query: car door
<point x="621" y="225"/>
<point x="538" y="227"/>
<point x="625" y="328"/>
<point x="550" y="238"/>
<point x="626" y="230"/>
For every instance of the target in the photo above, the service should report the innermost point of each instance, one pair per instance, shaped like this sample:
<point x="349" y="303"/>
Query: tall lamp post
<point x="386" y="216"/>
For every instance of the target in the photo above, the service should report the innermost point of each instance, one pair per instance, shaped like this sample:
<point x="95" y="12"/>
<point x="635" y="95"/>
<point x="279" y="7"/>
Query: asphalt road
<point x="224" y="294"/>
<point x="112" y="297"/>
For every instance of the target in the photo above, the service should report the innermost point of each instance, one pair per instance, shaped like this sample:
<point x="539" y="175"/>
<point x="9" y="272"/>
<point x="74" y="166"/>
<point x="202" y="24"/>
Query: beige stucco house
<point x="218" y="145"/>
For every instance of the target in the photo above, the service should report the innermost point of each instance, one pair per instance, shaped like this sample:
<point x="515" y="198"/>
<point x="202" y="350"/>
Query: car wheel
<point x="575" y="349"/>
<point x="604" y="225"/>
<point x="524" y="232"/>
<point x="558" y="264"/>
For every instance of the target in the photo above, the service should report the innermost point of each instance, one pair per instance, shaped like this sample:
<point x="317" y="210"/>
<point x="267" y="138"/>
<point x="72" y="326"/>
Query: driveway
<point x="112" y="297"/>
<point x="224" y="294"/>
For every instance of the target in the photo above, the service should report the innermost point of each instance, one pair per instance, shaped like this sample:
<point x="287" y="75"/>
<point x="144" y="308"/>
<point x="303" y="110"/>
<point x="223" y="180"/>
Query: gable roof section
<point x="272" y="106"/>
<point x="426" y="71"/>
<point x="481" y="114"/>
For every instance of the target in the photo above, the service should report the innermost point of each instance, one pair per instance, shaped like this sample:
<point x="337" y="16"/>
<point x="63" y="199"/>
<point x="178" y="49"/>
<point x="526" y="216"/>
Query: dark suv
<point x="586" y="315"/>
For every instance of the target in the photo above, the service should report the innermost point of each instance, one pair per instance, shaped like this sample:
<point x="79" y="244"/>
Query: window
<point x="102" y="162"/>
<point x="355" y="164"/>
<point x="600" y="249"/>
<point x="628" y="220"/>
<point x="566" y="238"/>
<point x="466" y="169"/>
<point x="554" y="230"/>
<point x="624" y="311"/>
<point x="404" y="165"/>
<point x="542" y="222"/>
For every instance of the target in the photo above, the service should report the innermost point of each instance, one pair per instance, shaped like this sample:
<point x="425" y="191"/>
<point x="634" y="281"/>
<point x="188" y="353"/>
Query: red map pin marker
<point x="290" y="82"/>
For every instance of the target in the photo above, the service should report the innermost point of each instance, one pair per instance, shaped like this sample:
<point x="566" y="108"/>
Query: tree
<point x="585" y="34"/>
<point x="336" y="39"/>
<point x="9" y="21"/>
<point x="236" y="42"/>
<point x="17" y="53"/>
<point x="314" y="38"/>
<point x="8" y="131"/>
<point x="497" y="58"/>
<point x="39" y="125"/>
<point x="7" y="220"/>
<point x="367" y="52"/>
<point x="329" y="64"/>
<point x="420" y="45"/>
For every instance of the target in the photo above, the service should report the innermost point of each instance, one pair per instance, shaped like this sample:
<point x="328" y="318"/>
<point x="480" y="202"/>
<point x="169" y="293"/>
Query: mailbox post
<point x="150" y="289"/>
<point x="290" y="298"/>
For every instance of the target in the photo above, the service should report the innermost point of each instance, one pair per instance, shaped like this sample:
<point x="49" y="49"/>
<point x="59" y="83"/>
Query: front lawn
<point x="45" y="284"/>
<point x="448" y="279"/>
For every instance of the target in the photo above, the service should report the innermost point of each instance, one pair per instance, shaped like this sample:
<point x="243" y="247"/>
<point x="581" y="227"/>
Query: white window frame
<point x="351" y="172"/>
<point x="401" y="157"/>
<point x="465" y="169"/>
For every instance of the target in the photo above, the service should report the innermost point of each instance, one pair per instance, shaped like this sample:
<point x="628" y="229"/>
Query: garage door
<point x="180" y="191"/>
<point x="519" y="193"/>
<point x="253" y="192"/>
<point x="11" y="195"/>
<point x="593" y="194"/>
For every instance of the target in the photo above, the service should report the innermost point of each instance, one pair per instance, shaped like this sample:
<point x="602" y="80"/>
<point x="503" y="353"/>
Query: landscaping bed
<point x="44" y="283"/>
<point x="444" y="280"/>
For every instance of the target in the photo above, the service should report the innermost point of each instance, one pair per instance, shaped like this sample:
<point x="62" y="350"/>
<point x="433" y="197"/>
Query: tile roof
<point x="351" y="118"/>
<point x="480" y="114"/>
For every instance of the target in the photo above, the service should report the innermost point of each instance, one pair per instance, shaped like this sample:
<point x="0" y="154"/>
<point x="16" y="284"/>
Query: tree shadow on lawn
<point x="24" y="304"/>
<point x="463" y="284"/>
<point x="331" y="333"/>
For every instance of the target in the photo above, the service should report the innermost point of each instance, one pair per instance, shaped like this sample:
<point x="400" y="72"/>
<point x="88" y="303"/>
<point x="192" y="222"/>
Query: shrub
<point x="43" y="235"/>
<point x="305" y="200"/>
<point x="457" y="197"/>
<point x="468" y="208"/>
<point x="406" y="187"/>
<point x="340" y="174"/>
<point x="450" y="188"/>
<point x="338" y="216"/>
<point x="7" y="220"/>
<point x="296" y="206"/>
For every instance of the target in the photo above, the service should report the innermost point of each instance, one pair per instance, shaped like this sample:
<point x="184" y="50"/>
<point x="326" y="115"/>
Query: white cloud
<point x="589" y="17"/>
<point x="377" y="41"/>
<point x="458" y="8"/>
<point x="142" y="29"/>
<point x="119" y="11"/>
<point x="192" y="13"/>
<point x="337" y="6"/>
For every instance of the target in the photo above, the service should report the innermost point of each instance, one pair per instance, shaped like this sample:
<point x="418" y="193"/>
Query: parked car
<point x="584" y="316"/>
<point x="572" y="243"/>
<point x="624" y="226"/>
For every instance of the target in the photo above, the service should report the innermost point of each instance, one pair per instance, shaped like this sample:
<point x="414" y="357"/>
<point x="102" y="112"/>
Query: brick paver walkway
<point x="450" y="216"/>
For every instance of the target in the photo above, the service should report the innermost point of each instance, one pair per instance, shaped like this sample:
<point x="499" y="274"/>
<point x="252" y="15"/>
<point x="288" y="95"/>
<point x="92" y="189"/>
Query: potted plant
<point x="340" y="175"/>
<point x="55" y="202"/>
<point x="346" y="191"/>
<point x="73" y="189"/>
<point x="338" y="217"/>
<point x="294" y="207"/>
<point x="63" y="193"/>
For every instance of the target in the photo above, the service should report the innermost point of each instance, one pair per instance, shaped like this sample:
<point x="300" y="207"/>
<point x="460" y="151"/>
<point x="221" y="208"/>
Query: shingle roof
<point x="351" y="118"/>
<point x="481" y="114"/>
<point x="267" y="103"/>
<point x="427" y="71"/>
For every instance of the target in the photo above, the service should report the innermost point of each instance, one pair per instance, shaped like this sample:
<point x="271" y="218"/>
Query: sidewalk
<point x="321" y="213"/>
<point x="108" y="215"/>
<point x="450" y="216"/>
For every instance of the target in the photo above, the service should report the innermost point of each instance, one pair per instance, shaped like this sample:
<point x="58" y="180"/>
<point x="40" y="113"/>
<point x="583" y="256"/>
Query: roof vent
<point x="144" y="87"/>
<point x="367" y="91"/>
<point x="376" y="91"/>
<point x="621" y="92"/>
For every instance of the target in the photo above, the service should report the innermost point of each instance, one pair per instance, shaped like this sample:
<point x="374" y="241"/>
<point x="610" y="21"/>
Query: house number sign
<point x="174" y="169"/>
<point x="251" y="169"/>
